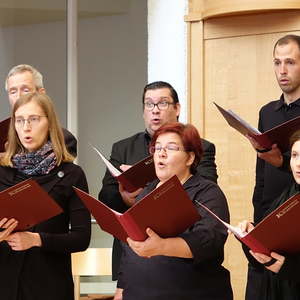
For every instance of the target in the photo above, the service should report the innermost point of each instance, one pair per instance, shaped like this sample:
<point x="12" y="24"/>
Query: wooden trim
<point x="189" y="59"/>
<point x="196" y="83"/>
<point x="264" y="24"/>
<point x="211" y="9"/>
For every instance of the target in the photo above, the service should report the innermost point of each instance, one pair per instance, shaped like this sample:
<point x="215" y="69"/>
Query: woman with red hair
<point x="188" y="266"/>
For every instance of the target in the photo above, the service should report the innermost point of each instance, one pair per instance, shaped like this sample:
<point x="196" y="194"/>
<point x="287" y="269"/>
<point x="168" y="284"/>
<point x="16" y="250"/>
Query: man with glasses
<point x="24" y="79"/>
<point x="160" y="106"/>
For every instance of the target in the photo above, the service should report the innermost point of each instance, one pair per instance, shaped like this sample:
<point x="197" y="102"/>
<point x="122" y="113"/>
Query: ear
<point x="178" y="109"/>
<point x="42" y="90"/>
<point x="190" y="159"/>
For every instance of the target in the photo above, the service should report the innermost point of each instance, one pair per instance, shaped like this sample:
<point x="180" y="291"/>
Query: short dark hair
<point x="160" y="85"/>
<point x="190" y="138"/>
<point x="287" y="39"/>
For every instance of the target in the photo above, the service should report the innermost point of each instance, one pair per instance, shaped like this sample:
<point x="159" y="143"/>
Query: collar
<point x="147" y="136"/>
<point x="281" y="103"/>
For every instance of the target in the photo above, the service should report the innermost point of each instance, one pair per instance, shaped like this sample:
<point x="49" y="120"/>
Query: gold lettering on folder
<point x="19" y="189"/>
<point x="287" y="208"/>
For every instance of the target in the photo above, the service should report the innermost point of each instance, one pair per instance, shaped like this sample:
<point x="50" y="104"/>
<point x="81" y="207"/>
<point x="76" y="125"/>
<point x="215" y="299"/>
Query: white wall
<point x="167" y="49"/>
<point x="44" y="47"/>
<point x="112" y="72"/>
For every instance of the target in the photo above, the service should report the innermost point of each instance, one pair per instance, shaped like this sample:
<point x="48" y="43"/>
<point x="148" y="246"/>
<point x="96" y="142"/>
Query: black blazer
<point x="45" y="272"/>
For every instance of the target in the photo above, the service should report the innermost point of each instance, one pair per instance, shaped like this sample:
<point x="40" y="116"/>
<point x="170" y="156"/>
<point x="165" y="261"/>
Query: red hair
<point x="189" y="136"/>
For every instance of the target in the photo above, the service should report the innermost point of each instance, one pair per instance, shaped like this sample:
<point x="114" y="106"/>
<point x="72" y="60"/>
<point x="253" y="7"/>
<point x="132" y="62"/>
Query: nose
<point x="18" y="94"/>
<point x="26" y="125"/>
<point x="162" y="152"/>
<point x="282" y="68"/>
<point x="155" y="109"/>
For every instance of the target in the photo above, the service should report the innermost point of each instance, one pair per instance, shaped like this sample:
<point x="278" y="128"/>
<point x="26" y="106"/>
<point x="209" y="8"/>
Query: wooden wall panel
<point x="234" y="67"/>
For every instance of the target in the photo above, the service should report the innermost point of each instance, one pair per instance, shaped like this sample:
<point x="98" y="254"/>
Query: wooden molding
<point x="211" y="9"/>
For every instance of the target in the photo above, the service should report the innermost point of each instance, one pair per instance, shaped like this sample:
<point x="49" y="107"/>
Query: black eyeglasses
<point x="162" y="105"/>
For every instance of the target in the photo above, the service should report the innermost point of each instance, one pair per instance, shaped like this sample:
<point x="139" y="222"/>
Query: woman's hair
<point x="55" y="134"/>
<point x="294" y="138"/>
<point x="189" y="136"/>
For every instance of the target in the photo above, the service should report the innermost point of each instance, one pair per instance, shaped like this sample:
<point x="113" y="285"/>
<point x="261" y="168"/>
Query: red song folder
<point x="28" y="203"/>
<point x="137" y="176"/>
<point x="167" y="210"/>
<point x="279" y="135"/>
<point x="4" y="125"/>
<point x="278" y="232"/>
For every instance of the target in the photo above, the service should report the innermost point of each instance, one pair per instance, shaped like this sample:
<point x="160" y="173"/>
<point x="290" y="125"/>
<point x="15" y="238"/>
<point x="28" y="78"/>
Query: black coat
<point x="71" y="142"/>
<point x="284" y="285"/>
<point x="129" y="151"/>
<point x="45" y="272"/>
<point x="203" y="276"/>
<point x="271" y="181"/>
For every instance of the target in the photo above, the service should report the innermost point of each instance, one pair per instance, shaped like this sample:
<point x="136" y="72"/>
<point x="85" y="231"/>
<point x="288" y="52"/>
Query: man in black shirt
<point x="160" y="105"/>
<point x="272" y="176"/>
<point x="23" y="79"/>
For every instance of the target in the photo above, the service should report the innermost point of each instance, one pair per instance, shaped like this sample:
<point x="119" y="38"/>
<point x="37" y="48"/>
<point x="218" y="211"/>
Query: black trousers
<point x="254" y="280"/>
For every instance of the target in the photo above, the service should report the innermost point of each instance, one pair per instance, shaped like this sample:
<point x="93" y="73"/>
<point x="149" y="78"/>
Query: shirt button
<point x="60" y="174"/>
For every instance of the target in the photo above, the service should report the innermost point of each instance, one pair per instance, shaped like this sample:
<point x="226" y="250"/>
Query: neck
<point x="182" y="179"/>
<point x="185" y="178"/>
<point x="290" y="98"/>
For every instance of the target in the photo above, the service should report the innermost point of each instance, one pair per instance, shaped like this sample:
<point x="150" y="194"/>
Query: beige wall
<point x="230" y="62"/>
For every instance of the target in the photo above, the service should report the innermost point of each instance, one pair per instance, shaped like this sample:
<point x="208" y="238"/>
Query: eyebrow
<point x="161" y="98"/>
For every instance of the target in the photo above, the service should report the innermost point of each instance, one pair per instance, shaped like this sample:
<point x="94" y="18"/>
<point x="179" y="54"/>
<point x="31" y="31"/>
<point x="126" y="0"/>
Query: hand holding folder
<point x="135" y="177"/>
<point x="28" y="203"/>
<point x="167" y="210"/>
<point x="278" y="232"/>
<point x="279" y="135"/>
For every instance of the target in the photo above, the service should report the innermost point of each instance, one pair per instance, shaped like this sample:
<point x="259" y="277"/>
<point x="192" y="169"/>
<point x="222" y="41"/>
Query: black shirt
<point x="271" y="181"/>
<point x="200" y="277"/>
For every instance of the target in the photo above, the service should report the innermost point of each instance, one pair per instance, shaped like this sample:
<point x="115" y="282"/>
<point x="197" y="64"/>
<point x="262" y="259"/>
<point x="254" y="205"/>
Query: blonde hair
<point x="55" y="131"/>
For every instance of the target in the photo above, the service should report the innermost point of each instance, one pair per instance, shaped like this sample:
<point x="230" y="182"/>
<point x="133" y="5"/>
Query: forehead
<point x="290" y="50"/>
<point x="24" y="78"/>
<point x="158" y="93"/>
<point x="296" y="146"/>
<point x="169" y="137"/>
<point x="30" y="108"/>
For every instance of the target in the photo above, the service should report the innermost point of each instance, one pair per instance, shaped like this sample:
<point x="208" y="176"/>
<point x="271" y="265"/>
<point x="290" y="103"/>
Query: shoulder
<point x="70" y="141"/>
<point x="207" y="145"/>
<point x="134" y="139"/>
<point x="70" y="173"/>
<point x="7" y="175"/>
<point x="269" y="107"/>
<point x="72" y="168"/>
<point x="198" y="184"/>
<point x="68" y="135"/>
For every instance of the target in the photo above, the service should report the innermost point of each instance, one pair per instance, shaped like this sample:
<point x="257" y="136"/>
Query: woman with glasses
<point x="36" y="264"/>
<point x="188" y="266"/>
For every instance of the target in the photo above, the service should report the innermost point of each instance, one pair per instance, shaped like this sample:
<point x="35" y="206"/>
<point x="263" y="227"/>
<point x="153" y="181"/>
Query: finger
<point x="135" y="193"/>
<point x="2" y="222"/>
<point x="277" y="256"/>
<point x="11" y="228"/>
<point x="150" y="232"/>
<point x="121" y="188"/>
<point x="9" y="223"/>
<point x="243" y="225"/>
